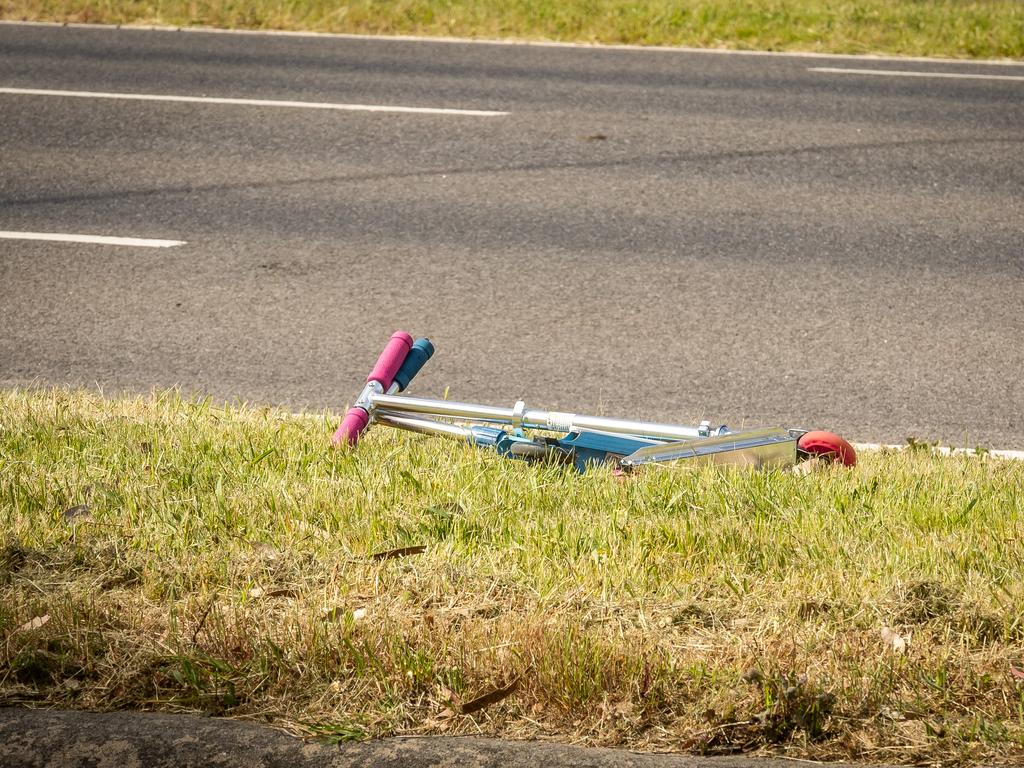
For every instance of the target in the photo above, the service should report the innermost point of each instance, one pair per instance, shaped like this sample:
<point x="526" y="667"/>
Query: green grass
<point x="960" y="28"/>
<point x="167" y="554"/>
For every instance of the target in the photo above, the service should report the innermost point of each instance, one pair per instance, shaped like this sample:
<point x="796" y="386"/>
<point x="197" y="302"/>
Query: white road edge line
<point x="252" y="102"/>
<point x="945" y="451"/>
<point x="58" y="237"/>
<point x="911" y="73"/>
<point x="516" y="42"/>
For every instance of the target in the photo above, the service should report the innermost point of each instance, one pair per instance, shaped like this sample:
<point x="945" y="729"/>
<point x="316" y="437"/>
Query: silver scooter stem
<point x="422" y="426"/>
<point x="556" y="421"/>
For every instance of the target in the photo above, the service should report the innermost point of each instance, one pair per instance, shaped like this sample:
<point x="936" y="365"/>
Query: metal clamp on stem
<point x="706" y="430"/>
<point x="518" y="412"/>
<point x="365" y="399"/>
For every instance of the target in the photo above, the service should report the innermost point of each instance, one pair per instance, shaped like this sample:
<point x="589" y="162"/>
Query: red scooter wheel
<point x="829" y="446"/>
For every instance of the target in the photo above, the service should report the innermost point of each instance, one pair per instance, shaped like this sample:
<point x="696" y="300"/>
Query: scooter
<point x="579" y="441"/>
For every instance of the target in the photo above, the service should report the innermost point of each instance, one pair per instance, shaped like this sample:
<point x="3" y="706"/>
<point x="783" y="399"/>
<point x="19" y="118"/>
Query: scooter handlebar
<point x="351" y="427"/>
<point x="388" y="364"/>
<point x="421" y="351"/>
<point x="391" y="359"/>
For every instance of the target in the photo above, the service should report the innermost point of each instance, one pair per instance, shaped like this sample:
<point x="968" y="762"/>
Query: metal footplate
<point x="768" y="447"/>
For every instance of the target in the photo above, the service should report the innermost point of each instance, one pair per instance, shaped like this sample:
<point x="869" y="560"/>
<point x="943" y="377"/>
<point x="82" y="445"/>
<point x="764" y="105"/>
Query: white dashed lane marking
<point x="914" y="73"/>
<point x="252" y="102"/>
<point x="60" y="237"/>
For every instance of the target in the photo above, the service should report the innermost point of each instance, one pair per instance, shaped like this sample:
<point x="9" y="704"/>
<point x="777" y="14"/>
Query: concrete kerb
<point x="42" y="738"/>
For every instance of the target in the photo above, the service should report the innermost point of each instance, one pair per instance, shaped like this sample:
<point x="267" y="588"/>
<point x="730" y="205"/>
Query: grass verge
<point x="958" y="28"/>
<point x="162" y="553"/>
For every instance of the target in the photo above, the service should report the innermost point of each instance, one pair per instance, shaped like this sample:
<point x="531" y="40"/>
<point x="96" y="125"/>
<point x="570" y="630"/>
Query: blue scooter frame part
<point x="581" y="449"/>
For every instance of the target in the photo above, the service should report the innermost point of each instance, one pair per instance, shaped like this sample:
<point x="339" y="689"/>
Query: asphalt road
<point x="646" y="233"/>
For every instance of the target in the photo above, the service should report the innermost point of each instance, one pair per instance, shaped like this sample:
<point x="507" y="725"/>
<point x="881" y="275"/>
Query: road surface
<point x="755" y="240"/>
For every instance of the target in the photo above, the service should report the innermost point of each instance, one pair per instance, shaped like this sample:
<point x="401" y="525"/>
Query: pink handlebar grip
<point x="391" y="359"/>
<point x="351" y="426"/>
